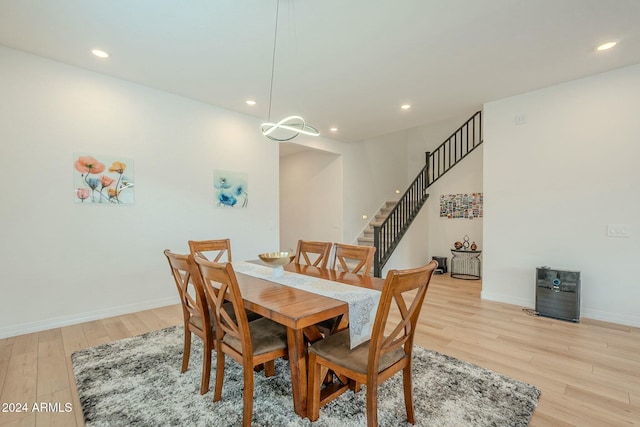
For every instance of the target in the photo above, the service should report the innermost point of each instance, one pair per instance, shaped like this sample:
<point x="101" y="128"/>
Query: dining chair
<point x="248" y="343"/>
<point x="352" y="258"/>
<point x="387" y="352"/>
<point x="216" y="249"/>
<point x="197" y="318"/>
<point x="312" y="253"/>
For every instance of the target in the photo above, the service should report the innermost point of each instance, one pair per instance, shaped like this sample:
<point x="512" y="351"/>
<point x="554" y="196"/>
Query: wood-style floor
<point x="589" y="373"/>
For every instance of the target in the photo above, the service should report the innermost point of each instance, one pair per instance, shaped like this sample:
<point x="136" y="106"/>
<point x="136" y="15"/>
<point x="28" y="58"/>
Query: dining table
<point x="299" y="311"/>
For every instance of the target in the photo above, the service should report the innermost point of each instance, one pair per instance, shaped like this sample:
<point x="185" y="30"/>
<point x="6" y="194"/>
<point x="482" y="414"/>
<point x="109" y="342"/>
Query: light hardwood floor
<point x="589" y="372"/>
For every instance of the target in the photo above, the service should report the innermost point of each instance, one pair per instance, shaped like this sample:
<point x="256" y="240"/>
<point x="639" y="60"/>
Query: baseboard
<point x="57" y="322"/>
<point x="604" y="316"/>
<point x="507" y="299"/>
<point x="620" y="319"/>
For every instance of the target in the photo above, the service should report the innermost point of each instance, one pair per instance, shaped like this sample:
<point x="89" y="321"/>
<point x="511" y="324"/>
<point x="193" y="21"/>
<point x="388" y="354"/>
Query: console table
<point x="465" y="264"/>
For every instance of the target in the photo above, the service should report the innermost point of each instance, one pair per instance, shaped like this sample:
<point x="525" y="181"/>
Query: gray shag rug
<point x="137" y="382"/>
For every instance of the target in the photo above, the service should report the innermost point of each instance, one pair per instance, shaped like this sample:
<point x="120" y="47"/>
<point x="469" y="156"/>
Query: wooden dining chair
<point x="216" y="249"/>
<point x="248" y="343"/>
<point x="388" y="352"/>
<point x="352" y="258"/>
<point x="312" y="253"/>
<point x="195" y="310"/>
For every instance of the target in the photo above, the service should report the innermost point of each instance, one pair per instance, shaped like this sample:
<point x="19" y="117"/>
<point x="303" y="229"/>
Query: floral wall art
<point x="103" y="179"/>
<point x="231" y="189"/>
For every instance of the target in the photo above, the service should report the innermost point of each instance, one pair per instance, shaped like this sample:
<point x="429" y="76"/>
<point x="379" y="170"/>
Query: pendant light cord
<point x="294" y="124"/>
<point x="273" y="59"/>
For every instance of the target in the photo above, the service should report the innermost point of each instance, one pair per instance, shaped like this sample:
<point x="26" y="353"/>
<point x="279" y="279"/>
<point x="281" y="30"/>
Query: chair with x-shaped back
<point x="352" y="258"/>
<point x="312" y="253"/>
<point x="388" y="352"/>
<point x="215" y="249"/>
<point x="196" y="315"/>
<point x="248" y="343"/>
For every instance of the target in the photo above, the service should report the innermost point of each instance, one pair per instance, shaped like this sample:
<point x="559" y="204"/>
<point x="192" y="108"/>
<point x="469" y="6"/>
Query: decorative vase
<point x="474" y="246"/>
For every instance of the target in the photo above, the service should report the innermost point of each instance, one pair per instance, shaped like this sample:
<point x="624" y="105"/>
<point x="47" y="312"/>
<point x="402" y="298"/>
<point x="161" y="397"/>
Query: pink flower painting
<point x="103" y="180"/>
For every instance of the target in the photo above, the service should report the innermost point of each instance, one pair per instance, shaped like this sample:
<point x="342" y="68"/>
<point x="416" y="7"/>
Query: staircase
<point x="366" y="238"/>
<point x="393" y="220"/>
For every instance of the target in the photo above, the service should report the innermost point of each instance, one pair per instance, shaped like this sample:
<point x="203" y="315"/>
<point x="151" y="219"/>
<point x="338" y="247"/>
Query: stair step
<point x="366" y="238"/>
<point x="365" y="241"/>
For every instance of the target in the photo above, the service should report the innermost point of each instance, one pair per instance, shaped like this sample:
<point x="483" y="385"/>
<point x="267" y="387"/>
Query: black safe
<point x="558" y="293"/>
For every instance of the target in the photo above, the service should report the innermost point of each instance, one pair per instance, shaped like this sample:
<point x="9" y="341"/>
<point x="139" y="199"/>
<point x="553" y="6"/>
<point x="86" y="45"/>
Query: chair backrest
<point x="401" y="287"/>
<point x="220" y="283"/>
<point x="216" y="249"/>
<point x="352" y="258"/>
<point x="312" y="253"/>
<point x="192" y="295"/>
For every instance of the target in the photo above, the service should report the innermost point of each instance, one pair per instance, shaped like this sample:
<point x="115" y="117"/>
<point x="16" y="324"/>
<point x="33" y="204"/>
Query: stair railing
<point x="387" y="235"/>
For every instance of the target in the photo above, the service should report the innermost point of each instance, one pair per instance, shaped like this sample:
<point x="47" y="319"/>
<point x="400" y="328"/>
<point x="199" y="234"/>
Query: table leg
<point x="298" y="365"/>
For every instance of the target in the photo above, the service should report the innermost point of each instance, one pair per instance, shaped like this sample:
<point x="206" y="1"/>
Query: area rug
<point x="137" y="382"/>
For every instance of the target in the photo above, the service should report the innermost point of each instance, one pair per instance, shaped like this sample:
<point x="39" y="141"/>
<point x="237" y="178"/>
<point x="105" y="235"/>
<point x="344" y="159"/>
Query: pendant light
<point x="291" y="126"/>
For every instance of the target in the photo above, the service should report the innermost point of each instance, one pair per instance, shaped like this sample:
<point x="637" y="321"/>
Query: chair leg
<point x="247" y="410"/>
<point x="206" y="366"/>
<point x="372" y="405"/>
<point x="313" y="390"/>
<point x="217" y="395"/>
<point x="408" y="393"/>
<point x="186" y="352"/>
<point x="269" y="368"/>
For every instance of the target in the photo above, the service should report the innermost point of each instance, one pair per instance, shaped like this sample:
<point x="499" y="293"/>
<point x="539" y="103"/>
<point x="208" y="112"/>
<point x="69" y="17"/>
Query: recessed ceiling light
<point x="100" y="53"/>
<point x="607" y="45"/>
<point x="251" y="102"/>
<point x="405" y="106"/>
<point x="333" y="129"/>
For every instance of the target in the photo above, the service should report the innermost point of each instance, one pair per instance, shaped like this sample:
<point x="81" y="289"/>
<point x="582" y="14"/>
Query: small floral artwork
<point x="230" y="189"/>
<point x="103" y="179"/>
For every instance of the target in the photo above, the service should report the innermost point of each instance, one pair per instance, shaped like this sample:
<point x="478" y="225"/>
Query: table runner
<point x="363" y="302"/>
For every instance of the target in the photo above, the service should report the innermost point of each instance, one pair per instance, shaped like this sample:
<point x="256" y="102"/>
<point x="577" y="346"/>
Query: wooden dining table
<point x="299" y="311"/>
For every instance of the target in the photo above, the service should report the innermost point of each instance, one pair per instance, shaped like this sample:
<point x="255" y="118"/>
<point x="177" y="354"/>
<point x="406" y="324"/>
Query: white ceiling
<point x="343" y="63"/>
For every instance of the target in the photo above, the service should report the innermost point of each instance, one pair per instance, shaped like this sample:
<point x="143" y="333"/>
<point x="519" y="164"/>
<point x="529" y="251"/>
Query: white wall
<point x="64" y="262"/>
<point x="373" y="175"/>
<point x="310" y="198"/>
<point x="466" y="177"/>
<point x="553" y="184"/>
<point x="90" y="262"/>
<point x="429" y="235"/>
<point x="364" y="175"/>
<point x="371" y="171"/>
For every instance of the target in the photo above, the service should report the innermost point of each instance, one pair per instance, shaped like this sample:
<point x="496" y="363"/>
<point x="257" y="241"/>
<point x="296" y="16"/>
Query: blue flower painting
<point x="230" y="189"/>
